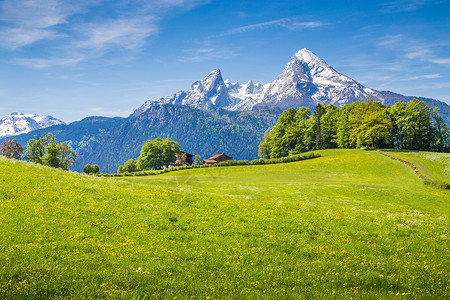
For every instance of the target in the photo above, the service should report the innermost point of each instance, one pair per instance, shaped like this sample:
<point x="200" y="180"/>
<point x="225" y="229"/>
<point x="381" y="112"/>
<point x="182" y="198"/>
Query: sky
<point x="73" y="59"/>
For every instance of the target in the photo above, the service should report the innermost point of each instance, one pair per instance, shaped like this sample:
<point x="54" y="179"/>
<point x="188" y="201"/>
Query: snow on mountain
<point x="18" y="123"/>
<point x="209" y="93"/>
<point x="307" y="80"/>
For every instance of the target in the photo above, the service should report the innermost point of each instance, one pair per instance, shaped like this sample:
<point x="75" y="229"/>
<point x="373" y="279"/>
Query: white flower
<point x="7" y="258"/>
<point x="139" y="270"/>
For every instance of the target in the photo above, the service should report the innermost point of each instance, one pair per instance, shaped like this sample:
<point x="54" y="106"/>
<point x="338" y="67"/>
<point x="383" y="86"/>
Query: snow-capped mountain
<point x="18" y="123"/>
<point x="307" y="80"/>
<point x="209" y="93"/>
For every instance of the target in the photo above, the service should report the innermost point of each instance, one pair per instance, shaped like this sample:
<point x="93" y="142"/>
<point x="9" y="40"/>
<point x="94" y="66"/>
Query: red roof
<point x="217" y="156"/>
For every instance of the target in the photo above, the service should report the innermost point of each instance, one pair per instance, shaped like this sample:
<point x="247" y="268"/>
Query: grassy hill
<point x="351" y="223"/>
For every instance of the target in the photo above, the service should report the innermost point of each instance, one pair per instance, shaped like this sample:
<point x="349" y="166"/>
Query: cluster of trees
<point x="91" y="169"/>
<point x="411" y="125"/>
<point x="43" y="150"/>
<point x="155" y="154"/>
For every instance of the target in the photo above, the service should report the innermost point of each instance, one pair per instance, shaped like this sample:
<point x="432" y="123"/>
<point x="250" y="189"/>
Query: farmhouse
<point x="217" y="158"/>
<point x="184" y="159"/>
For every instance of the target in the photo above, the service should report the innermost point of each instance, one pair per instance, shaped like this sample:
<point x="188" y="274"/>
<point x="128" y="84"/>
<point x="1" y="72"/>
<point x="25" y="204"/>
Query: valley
<point x="351" y="223"/>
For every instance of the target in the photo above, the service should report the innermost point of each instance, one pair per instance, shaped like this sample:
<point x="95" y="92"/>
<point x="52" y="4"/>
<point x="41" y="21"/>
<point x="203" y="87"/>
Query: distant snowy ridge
<point x="18" y="123"/>
<point x="307" y="80"/>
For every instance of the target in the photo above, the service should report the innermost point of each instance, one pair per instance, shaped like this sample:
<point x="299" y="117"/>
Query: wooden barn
<point x="184" y="159"/>
<point x="217" y="158"/>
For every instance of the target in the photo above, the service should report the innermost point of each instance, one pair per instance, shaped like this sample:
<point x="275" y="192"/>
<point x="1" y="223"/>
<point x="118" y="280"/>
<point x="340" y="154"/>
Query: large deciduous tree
<point x="157" y="153"/>
<point x="11" y="149"/>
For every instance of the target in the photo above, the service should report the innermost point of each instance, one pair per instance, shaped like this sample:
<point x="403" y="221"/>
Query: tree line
<point x="369" y="123"/>
<point x="43" y="150"/>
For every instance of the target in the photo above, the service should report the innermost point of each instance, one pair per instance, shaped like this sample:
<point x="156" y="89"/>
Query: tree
<point x="197" y="160"/>
<point x="87" y="169"/>
<point x="329" y="126"/>
<point x="95" y="169"/>
<point x="397" y="114"/>
<point x="67" y="156"/>
<point x="129" y="166"/>
<point x="45" y="150"/>
<point x="417" y="126"/>
<point x="157" y="153"/>
<point x="265" y="147"/>
<point x="317" y="118"/>
<point x="370" y="124"/>
<point x="11" y="149"/>
<point x="362" y="123"/>
<point x="50" y="158"/>
<point x="180" y="159"/>
<point x="441" y="132"/>
<point x="344" y="125"/>
<point x="35" y="150"/>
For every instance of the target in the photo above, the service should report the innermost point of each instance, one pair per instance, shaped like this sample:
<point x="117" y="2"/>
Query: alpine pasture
<point x="349" y="224"/>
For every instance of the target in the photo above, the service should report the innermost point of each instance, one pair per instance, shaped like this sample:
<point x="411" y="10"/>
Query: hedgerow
<point x="228" y="163"/>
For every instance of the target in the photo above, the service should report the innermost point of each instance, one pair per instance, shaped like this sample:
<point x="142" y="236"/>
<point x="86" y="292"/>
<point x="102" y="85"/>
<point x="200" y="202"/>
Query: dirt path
<point x="416" y="170"/>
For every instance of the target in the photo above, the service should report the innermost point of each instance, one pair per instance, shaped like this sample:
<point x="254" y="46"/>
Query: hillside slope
<point x="352" y="223"/>
<point x="109" y="142"/>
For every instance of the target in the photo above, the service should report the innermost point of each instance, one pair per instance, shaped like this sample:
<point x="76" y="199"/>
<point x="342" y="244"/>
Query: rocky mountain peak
<point x="211" y="81"/>
<point x="308" y="57"/>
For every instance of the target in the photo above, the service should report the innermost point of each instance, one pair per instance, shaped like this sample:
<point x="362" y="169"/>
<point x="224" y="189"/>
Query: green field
<point x="350" y="224"/>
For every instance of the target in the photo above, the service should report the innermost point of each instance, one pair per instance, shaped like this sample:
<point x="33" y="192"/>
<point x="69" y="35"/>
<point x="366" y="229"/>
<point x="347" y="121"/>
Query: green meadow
<point x="351" y="224"/>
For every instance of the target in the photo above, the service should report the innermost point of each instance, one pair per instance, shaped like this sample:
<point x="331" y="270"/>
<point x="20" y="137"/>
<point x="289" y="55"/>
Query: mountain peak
<point x="212" y="81"/>
<point x="308" y="57"/>
<point x="213" y="75"/>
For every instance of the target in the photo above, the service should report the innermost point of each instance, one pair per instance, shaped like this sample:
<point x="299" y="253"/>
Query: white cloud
<point x="204" y="54"/>
<point x="416" y="49"/>
<point x="33" y="13"/>
<point x="399" y="6"/>
<point x="101" y="111"/>
<point x="427" y="76"/>
<point x="29" y="21"/>
<point x="288" y="23"/>
<point x="71" y="36"/>
<point x="128" y="33"/>
<point x="420" y="53"/>
<point x="14" y="38"/>
<point x="440" y="61"/>
<point x="40" y="63"/>
<point x="389" y="40"/>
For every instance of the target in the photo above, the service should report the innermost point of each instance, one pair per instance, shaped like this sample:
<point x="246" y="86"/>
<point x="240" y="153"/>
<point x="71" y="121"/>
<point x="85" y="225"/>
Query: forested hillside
<point x="411" y="125"/>
<point x="109" y="142"/>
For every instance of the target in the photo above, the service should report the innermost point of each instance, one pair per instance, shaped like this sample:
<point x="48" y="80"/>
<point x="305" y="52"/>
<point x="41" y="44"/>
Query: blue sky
<point x="72" y="59"/>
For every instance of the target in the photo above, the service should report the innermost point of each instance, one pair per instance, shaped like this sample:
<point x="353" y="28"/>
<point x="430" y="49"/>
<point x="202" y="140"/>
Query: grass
<point x="351" y="223"/>
<point x="431" y="164"/>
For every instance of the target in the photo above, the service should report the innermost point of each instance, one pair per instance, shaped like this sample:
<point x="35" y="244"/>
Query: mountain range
<point x="18" y="123"/>
<point x="214" y="116"/>
<point x="307" y="80"/>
